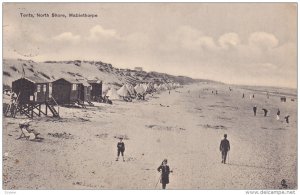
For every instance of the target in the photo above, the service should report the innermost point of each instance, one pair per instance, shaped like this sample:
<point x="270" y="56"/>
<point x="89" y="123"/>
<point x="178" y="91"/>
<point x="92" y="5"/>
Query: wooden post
<point x="31" y="110"/>
<point x="40" y="109"/>
<point x="46" y="109"/>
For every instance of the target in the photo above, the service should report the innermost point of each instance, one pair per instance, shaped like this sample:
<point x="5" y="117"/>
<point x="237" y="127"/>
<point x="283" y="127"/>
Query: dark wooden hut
<point x="32" y="93"/>
<point x="96" y="88"/>
<point x="31" y="90"/>
<point x="67" y="91"/>
<point x="85" y="90"/>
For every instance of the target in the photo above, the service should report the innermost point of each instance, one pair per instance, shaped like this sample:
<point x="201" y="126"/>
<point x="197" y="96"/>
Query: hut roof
<point x="73" y="81"/>
<point x="93" y="81"/>
<point x="84" y="82"/>
<point x="36" y="79"/>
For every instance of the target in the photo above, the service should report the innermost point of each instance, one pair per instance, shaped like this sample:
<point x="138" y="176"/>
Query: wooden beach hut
<point x="67" y="91"/>
<point x="31" y="89"/>
<point x="96" y="89"/>
<point x="32" y="93"/>
<point x="85" y="90"/>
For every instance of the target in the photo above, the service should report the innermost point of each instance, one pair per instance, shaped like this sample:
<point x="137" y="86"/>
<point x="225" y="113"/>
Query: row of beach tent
<point x="139" y="90"/>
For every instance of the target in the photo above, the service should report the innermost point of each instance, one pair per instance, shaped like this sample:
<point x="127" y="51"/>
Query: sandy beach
<point x="186" y="126"/>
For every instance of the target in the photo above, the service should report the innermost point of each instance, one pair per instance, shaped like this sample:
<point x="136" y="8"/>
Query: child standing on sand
<point x="121" y="149"/>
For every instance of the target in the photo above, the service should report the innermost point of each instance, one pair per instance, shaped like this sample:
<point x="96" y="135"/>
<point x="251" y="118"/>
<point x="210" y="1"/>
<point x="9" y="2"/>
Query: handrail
<point x="56" y="104"/>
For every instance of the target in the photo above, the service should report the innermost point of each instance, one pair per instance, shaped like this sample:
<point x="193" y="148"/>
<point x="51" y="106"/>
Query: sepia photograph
<point x="150" y="96"/>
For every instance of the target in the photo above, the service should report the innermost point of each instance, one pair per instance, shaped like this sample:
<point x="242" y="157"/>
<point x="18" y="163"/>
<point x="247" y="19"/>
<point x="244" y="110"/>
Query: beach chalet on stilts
<point x="33" y="94"/>
<point x="96" y="89"/>
<point x="67" y="91"/>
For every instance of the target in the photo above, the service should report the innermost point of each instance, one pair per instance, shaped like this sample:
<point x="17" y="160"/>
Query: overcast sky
<point x="252" y="44"/>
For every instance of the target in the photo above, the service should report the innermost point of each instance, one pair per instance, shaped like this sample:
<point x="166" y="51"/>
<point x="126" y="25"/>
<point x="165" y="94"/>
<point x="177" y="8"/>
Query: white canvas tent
<point x="130" y="89"/>
<point x="139" y="89"/>
<point x="105" y="88"/>
<point x="123" y="91"/>
<point x="112" y="94"/>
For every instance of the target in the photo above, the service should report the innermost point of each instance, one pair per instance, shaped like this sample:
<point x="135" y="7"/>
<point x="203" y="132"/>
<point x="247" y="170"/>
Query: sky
<point x="235" y="43"/>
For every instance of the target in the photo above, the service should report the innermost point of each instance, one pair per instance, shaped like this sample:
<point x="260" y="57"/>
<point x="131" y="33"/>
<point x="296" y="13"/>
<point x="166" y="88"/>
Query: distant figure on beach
<point x="216" y="92"/>
<point x="121" y="149"/>
<point x="287" y="118"/>
<point x="212" y="92"/>
<point x="243" y="95"/>
<point x="265" y="112"/>
<point x="254" y="110"/>
<point x="268" y="95"/>
<point x="253" y="96"/>
<point x="165" y="171"/>
<point x="169" y="92"/>
<point x="283" y="184"/>
<point x="278" y="114"/>
<point x="224" y="148"/>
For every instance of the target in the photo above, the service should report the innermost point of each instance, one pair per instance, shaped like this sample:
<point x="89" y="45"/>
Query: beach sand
<point x="186" y="127"/>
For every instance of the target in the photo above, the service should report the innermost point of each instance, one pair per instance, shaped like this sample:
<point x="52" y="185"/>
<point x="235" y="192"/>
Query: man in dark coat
<point x="121" y="149"/>
<point x="165" y="171"/>
<point x="287" y="118"/>
<point x="265" y="112"/>
<point x="224" y="148"/>
<point x="254" y="110"/>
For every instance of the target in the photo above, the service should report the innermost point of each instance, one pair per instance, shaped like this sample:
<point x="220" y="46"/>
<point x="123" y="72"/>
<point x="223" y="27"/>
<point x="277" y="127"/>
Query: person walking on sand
<point x="165" y="171"/>
<point x="121" y="149"/>
<point x="224" y="148"/>
<point x="287" y="118"/>
<point x="254" y="110"/>
<point x="278" y="114"/>
<point x="243" y="95"/>
<point x="265" y="112"/>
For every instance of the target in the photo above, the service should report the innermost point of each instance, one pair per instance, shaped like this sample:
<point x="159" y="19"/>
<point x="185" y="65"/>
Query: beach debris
<point x="84" y="119"/>
<point x="166" y="128"/>
<point x="102" y="135"/>
<point x="125" y="137"/>
<point x="63" y="135"/>
<point x="131" y="159"/>
<point x="77" y="183"/>
<point x="164" y="105"/>
<point x="214" y="126"/>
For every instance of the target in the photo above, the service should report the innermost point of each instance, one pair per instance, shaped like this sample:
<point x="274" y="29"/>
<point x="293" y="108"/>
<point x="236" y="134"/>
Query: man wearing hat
<point x="121" y="148"/>
<point x="224" y="148"/>
<point x="165" y="171"/>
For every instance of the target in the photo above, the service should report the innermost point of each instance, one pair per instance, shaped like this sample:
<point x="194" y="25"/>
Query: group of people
<point x="164" y="168"/>
<point x="266" y="112"/>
